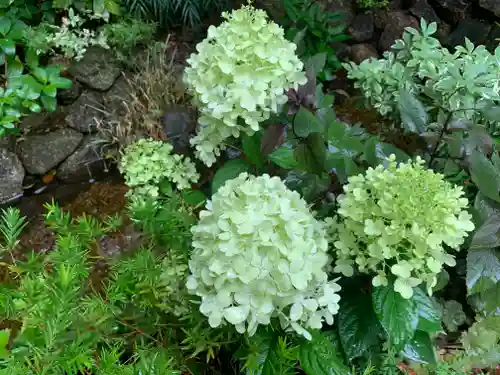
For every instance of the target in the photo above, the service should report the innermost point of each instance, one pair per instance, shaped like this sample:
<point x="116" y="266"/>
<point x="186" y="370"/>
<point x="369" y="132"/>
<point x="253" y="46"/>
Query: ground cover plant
<point x="312" y="247"/>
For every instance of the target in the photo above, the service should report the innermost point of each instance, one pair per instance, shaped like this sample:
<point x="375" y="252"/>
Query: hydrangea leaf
<point x="320" y="356"/>
<point x="398" y="316"/>
<point x="484" y="175"/>
<point x="420" y="349"/>
<point x="230" y="170"/>
<point x="252" y="149"/>
<point x="483" y="270"/>
<point x="428" y="311"/>
<point x="453" y="315"/>
<point x="305" y="123"/>
<point x="358" y="325"/>
<point x="283" y="157"/>
<point x="486" y="207"/>
<point x="490" y="298"/>
<point x="488" y="234"/>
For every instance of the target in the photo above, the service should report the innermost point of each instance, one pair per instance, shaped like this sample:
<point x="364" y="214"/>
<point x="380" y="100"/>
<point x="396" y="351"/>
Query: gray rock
<point x="178" y="123"/>
<point x="361" y="52"/>
<point x="362" y="27"/>
<point x="86" y="162"/>
<point x="98" y="69"/>
<point x="117" y="96"/>
<point x="69" y="96"/>
<point x="381" y="15"/>
<point x="454" y="11"/>
<point x="476" y="31"/>
<point x="491" y="5"/>
<point x="11" y="176"/>
<point x="86" y="112"/>
<point x="422" y="9"/>
<point x="443" y="32"/>
<point x="41" y="153"/>
<point x="397" y="21"/>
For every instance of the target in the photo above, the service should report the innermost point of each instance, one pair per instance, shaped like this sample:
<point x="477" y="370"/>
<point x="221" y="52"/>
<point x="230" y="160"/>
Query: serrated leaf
<point x="320" y="357"/>
<point x="316" y="63"/>
<point x="414" y="116"/>
<point x="230" y="170"/>
<point x="483" y="270"/>
<point x="428" y="312"/>
<point x="251" y="148"/>
<point x="484" y="175"/>
<point x="486" y="207"/>
<point x="453" y="315"/>
<point x="306" y="123"/>
<point x="420" y="349"/>
<point x="398" y="316"/>
<point x="358" y="325"/>
<point x="488" y="234"/>
<point x="283" y="157"/>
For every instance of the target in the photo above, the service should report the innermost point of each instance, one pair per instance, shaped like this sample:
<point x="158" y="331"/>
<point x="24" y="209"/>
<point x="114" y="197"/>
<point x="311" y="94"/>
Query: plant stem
<point x="438" y="142"/>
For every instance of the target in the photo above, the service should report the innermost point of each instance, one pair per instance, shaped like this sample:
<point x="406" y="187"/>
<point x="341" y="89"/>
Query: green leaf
<point x="230" y="170"/>
<point x="492" y="113"/>
<point x="453" y="315"/>
<point x="316" y="63"/>
<point x="488" y="234"/>
<point x="320" y="357"/>
<point x="5" y="25"/>
<point x="50" y="90"/>
<point x="413" y="113"/>
<point x="484" y="175"/>
<point x="420" y="349"/>
<point x="283" y="157"/>
<point x="428" y="312"/>
<point x="358" y="326"/>
<point x="251" y="148"/>
<point x="398" y="316"/>
<point x="61" y="82"/>
<point x="306" y="123"/>
<point x="310" y="155"/>
<point x="8" y="46"/>
<point x="15" y="66"/>
<point x="49" y="103"/>
<point x="443" y="278"/>
<point x="166" y="188"/>
<point x="490" y="298"/>
<point x="307" y="184"/>
<point x="193" y="197"/>
<point x="40" y="74"/>
<point x="483" y="270"/>
<point x="4" y="342"/>
<point x="486" y="207"/>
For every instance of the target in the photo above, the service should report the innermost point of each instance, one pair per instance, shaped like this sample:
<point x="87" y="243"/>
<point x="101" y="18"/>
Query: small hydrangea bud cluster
<point x="238" y="77"/>
<point x="146" y="162"/>
<point x="396" y="220"/>
<point x="260" y="253"/>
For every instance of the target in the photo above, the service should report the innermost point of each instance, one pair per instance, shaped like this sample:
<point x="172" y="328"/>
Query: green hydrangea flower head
<point x="238" y="77"/>
<point x="397" y="220"/>
<point x="146" y="162"/>
<point x="260" y="253"/>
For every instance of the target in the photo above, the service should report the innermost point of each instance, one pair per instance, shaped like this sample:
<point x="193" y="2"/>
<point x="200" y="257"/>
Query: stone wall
<point x="65" y="144"/>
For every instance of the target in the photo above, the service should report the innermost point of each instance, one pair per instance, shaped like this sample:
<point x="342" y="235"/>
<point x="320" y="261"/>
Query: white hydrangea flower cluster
<point x="260" y="253"/>
<point x="397" y="220"/>
<point x="238" y="77"/>
<point x="146" y="162"/>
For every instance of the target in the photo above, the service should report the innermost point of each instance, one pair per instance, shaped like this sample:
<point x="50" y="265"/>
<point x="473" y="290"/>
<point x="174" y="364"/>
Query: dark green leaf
<point x="492" y="113"/>
<point x="31" y="58"/>
<point x="49" y="103"/>
<point x="351" y="168"/>
<point x="320" y="357"/>
<point x="16" y="32"/>
<point x="283" y="157"/>
<point x="428" y="311"/>
<point x="193" y="197"/>
<point x="306" y="123"/>
<point x="484" y="175"/>
<point x="335" y="163"/>
<point x="413" y="113"/>
<point x="40" y="74"/>
<point x="5" y="24"/>
<point x="490" y="299"/>
<point x="166" y="188"/>
<point x="358" y="326"/>
<point x="453" y="315"/>
<point x="310" y="155"/>
<point x="316" y="63"/>
<point x="251" y="148"/>
<point x="336" y="131"/>
<point x="488" y="234"/>
<point x="15" y="66"/>
<point x="308" y="185"/>
<point x="483" y="270"/>
<point x="398" y="316"/>
<point x="230" y="170"/>
<point x="442" y="281"/>
<point x="420" y="349"/>
<point x="8" y="46"/>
